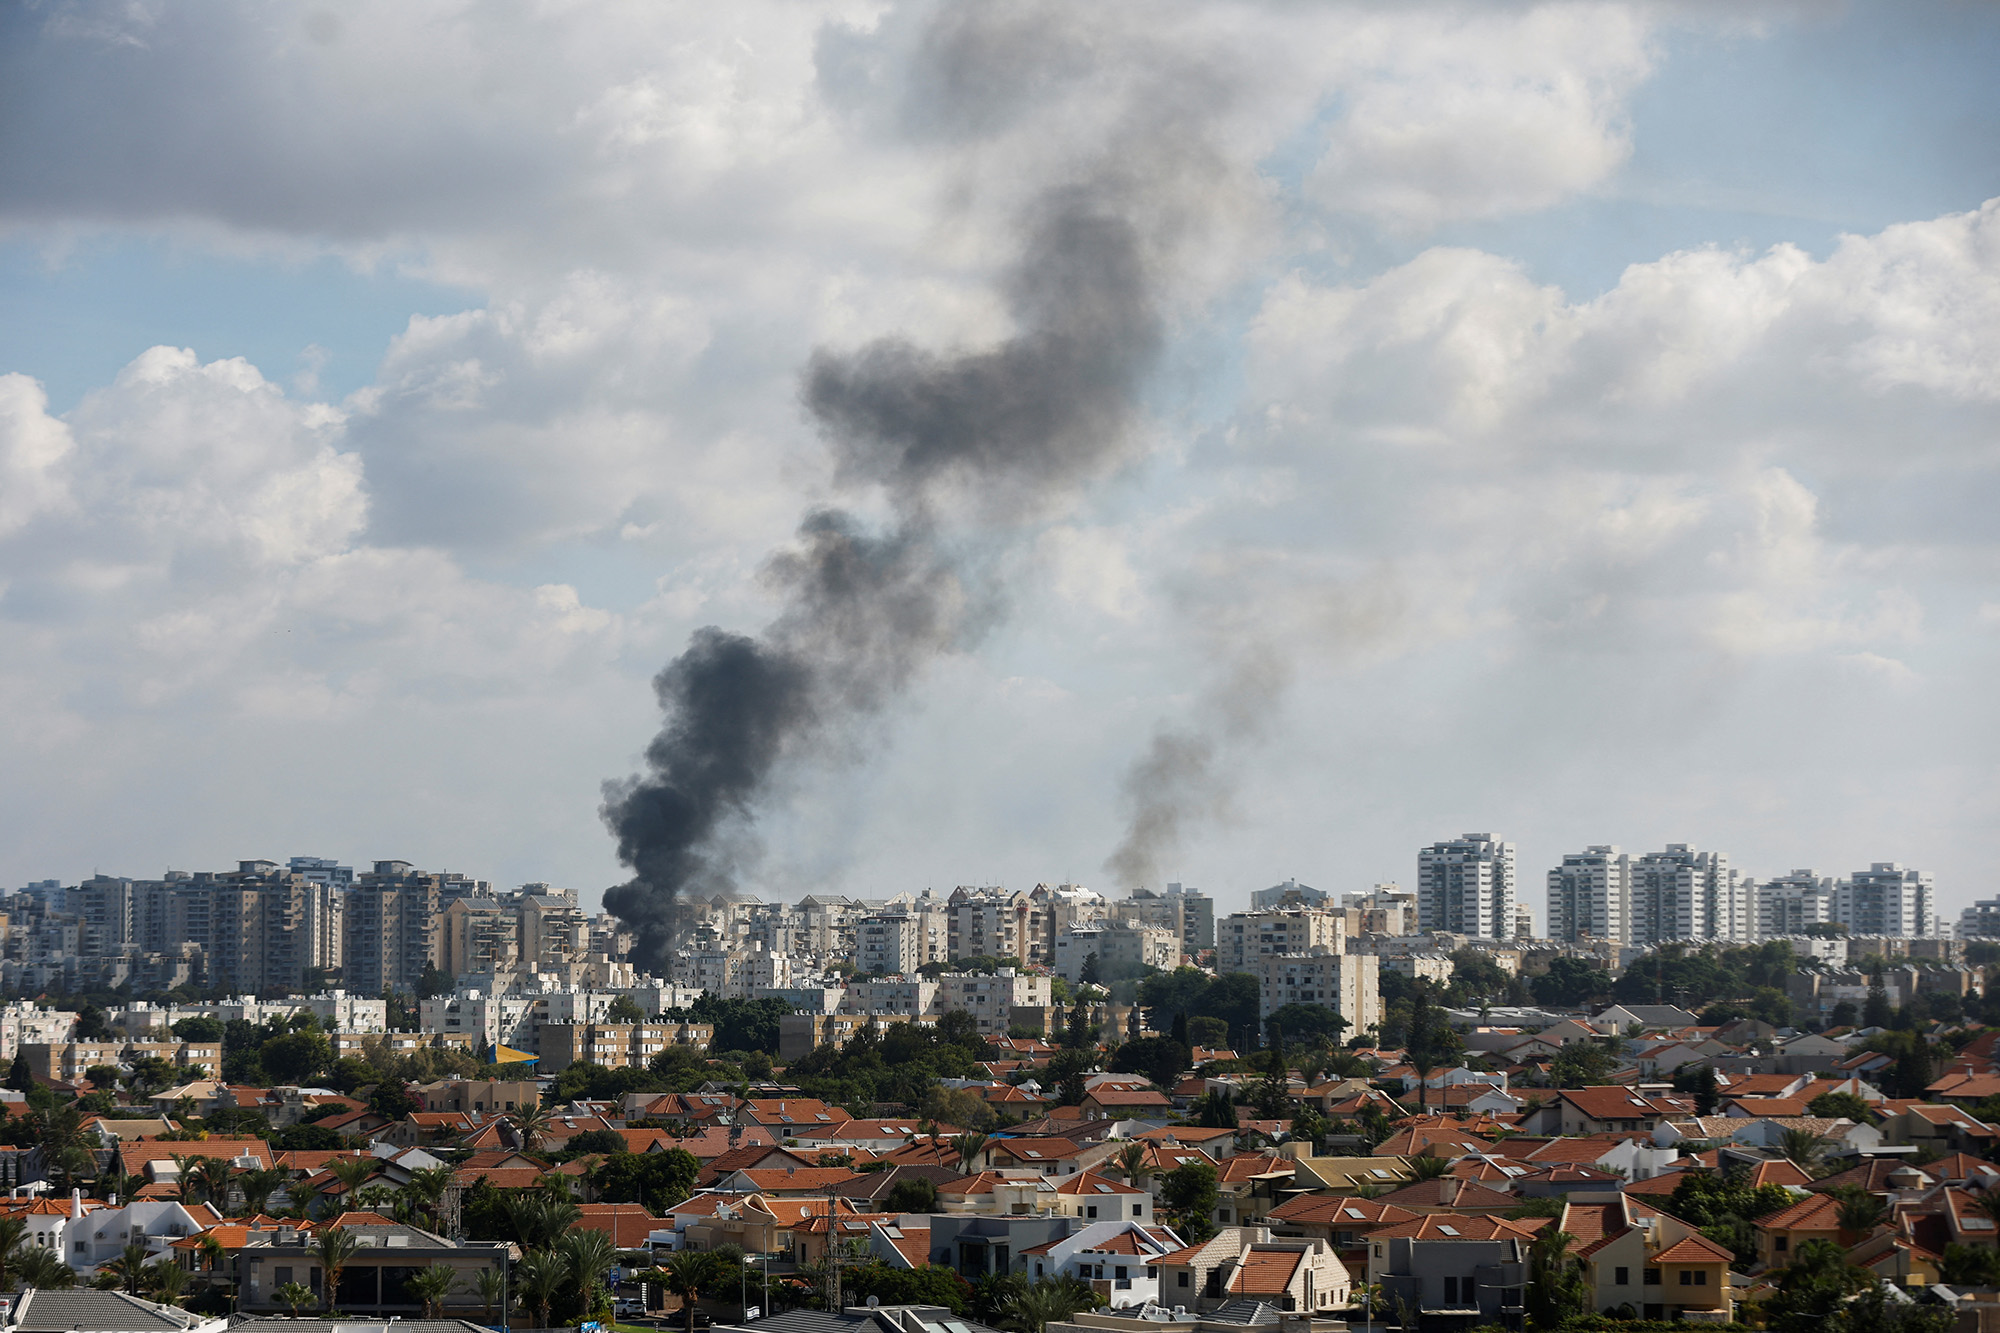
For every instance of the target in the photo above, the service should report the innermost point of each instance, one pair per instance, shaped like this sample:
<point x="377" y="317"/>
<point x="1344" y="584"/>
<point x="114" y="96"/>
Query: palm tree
<point x="686" y="1273"/>
<point x="258" y="1186"/>
<point x="529" y="1124"/>
<point x="334" y="1248"/>
<point x="969" y="1146"/>
<point x="129" y="1266"/>
<point x="296" y="1295"/>
<point x="432" y="1285"/>
<point x="211" y="1251"/>
<point x="1031" y="1308"/>
<point x="214" y="1174"/>
<point x="1132" y="1163"/>
<point x="590" y="1255"/>
<point x="303" y="1194"/>
<point x="65" y="1142"/>
<point x="187" y="1176"/>
<point x="539" y="1277"/>
<point x="427" y="1187"/>
<point x="540" y="1219"/>
<point x="1804" y="1147"/>
<point x="353" y="1172"/>
<point x="41" y="1269"/>
<point x="1427" y="1165"/>
<point x="13" y="1230"/>
<point x="116" y="1184"/>
<point x="164" y="1280"/>
<point x="1861" y="1212"/>
<point x="491" y="1284"/>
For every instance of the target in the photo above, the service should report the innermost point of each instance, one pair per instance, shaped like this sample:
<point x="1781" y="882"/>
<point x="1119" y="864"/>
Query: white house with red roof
<point x="1246" y="1263"/>
<point x="1117" y="1259"/>
<point x="1102" y="1198"/>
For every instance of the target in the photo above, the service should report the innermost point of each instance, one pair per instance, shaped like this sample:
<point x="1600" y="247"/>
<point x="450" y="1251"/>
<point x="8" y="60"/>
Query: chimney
<point x="76" y="1205"/>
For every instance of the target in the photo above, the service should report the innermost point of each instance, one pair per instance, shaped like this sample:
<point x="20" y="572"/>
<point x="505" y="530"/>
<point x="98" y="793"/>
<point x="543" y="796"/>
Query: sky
<point x="1575" y="422"/>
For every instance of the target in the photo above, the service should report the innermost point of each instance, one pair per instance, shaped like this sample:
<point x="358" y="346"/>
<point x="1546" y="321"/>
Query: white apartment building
<point x="23" y="1021"/>
<point x="991" y="999"/>
<point x="1119" y="950"/>
<point x="1241" y="938"/>
<point x="1787" y="904"/>
<point x="1348" y="983"/>
<point x="492" y="1020"/>
<point x="1467" y="886"/>
<point x="993" y="923"/>
<point x="888" y="944"/>
<point x="1385" y="909"/>
<point x="1590" y="895"/>
<point x="1886" y="899"/>
<point x="1432" y="967"/>
<point x="1289" y="894"/>
<point x="889" y="997"/>
<point x="1981" y="920"/>
<point x="1683" y="893"/>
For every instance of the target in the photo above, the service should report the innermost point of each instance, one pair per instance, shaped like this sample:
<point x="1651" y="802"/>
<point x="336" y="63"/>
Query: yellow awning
<point x="507" y="1055"/>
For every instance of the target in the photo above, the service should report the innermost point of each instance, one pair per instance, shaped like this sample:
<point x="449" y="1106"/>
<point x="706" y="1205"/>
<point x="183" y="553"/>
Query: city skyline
<point x="1280" y="437"/>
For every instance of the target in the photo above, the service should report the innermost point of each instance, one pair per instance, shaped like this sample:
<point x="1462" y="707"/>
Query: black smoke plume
<point x="996" y="432"/>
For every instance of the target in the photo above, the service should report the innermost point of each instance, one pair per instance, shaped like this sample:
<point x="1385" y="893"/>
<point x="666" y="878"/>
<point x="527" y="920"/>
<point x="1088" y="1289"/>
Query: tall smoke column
<point x="1183" y="778"/>
<point x="1007" y="428"/>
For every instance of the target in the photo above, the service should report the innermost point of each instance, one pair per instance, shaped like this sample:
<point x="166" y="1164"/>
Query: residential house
<point x="1293" y="1274"/>
<point x="1779" y="1234"/>
<point x="1100" y="1198"/>
<point x="1647" y="1260"/>
<point x="1117" y="1259"/>
<point x="375" y="1280"/>
<point x="1450" y="1269"/>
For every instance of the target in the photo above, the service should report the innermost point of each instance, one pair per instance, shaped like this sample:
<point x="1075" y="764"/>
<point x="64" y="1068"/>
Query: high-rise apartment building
<point x="1886" y="899"/>
<point x="1787" y="904"/>
<point x="1980" y="921"/>
<point x="1683" y="893"/>
<point x="1467" y="886"/>
<point x="1590" y="895"/>
<point x="1188" y="913"/>
<point x="1242" y="938"/>
<point x="394" y="915"/>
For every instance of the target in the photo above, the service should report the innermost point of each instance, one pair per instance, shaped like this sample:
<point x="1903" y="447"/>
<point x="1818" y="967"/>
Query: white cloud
<point x="1470" y="113"/>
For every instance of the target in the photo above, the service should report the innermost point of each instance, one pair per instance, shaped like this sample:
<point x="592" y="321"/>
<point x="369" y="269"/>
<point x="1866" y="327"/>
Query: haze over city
<point x="1211" y="444"/>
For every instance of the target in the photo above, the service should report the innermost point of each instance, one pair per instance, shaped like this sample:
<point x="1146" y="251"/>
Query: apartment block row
<point x="292" y="928"/>
<point x="1683" y="893"/>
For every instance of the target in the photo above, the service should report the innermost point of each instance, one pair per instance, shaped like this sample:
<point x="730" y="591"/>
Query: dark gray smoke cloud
<point x="1185" y="777"/>
<point x="864" y="611"/>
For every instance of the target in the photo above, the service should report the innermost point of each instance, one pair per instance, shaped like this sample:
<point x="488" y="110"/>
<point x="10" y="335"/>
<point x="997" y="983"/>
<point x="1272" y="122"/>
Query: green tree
<point x="41" y="1269"/>
<point x="392" y="1099"/>
<point x="19" y="1076"/>
<point x="1307" y="1022"/>
<point x="1161" y="1059"/>
<point x="685" y="1274"/>
<point x="1841" y="1105"/>
<point x="624" y="1010"/>
<point x="1427" y="1165"/>
<point x="1698" y="1082"/>
<point x="659" y="1180"/>
<point x="915" y="1194"/>
<point x="1216" y="1111"/>
<point x="1188" y="1194"/>
<point x="589" y="1255"/>
<point x="1031" y="1307"/>
<point x="1876" y="1013"/>
<point x="198" y="1028"/>
<point x="1558" y="1288"/>
<point x="1582" y="1064"/>
<point x="540" y="1277"/>
<point x="1570" y="981"/>
<point x="1066" y="1070"/>
<point x="129" y="1267"/>
<point x="335" y="1248"/>
<point x="294" y="1296"/>
<point x="297" y="1057"/>
<point x="1204" y="1030"/>
<point x="1814" y="1288"/>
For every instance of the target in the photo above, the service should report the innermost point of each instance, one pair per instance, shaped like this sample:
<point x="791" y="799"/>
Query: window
<point x="1451" y="1291"/>
<point x="1038" y="1268"/>
<point x="1781" y="1244"/>
<point x="1121" y="1272"/>
<point x="1701" y="1277"/>
<point x="1622" y="1277"/>
<point x="1687" y="1278"/>
<point x="281" y="1275"/>
<point x="1091" y="1211"/>
<point x="1652" y="1277"/>
<point x="1138" y="1210"/>
<point x="1181" y="1278"/>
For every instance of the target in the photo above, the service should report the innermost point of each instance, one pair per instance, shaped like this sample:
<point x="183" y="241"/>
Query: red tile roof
<point x="1265" y="1272"/>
